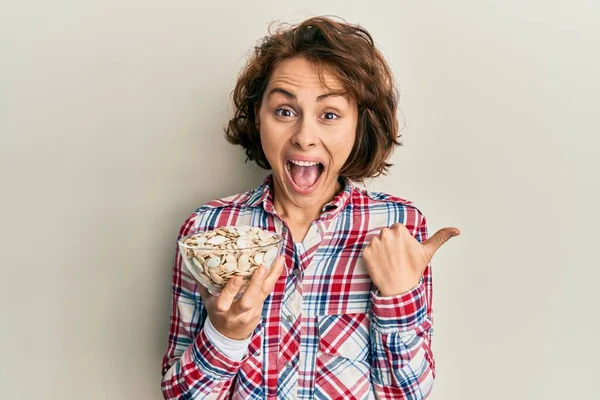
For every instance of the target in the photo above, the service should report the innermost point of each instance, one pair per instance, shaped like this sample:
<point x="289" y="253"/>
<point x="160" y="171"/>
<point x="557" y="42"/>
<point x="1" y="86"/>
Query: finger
<point x="398" y="226"/>
<point x="438" y="239"/>
<point x="273" y="276"/>
<point x="395" y="230"/>
<point x="227" y="295"/>
<point x="252" y="294"/>
<point x="400" y="230"/>
<point x="203" y="292"/>
<point x="384" y="233"/>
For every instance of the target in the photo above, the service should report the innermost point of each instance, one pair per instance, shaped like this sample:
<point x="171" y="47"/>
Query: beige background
<point x="111" y="117"/>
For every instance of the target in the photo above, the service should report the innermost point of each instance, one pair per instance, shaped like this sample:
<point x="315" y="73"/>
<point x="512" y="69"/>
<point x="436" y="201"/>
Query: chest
<point x="298" y="231"/>
<point x="335" y="281"/>
<point x="325" y="272"/>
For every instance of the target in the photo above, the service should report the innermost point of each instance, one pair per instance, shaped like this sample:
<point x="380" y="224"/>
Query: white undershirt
<point x="234" y="349"/>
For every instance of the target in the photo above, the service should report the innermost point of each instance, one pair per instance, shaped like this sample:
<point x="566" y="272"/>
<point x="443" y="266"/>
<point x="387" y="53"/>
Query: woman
<point x="345" y="312"/>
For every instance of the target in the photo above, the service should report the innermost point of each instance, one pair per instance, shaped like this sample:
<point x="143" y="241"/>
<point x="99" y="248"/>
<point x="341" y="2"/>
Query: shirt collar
<point x="264" y="195"/>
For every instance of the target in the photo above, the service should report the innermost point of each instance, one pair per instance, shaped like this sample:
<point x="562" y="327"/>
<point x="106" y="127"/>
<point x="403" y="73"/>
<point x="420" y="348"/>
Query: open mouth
<point x="304" y="174"/>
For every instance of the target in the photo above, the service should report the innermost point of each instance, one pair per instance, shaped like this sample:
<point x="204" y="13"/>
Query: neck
<point x="297" y="214"/>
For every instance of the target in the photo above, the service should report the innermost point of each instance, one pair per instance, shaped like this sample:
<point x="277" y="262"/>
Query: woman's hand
<point x="395" y="260"/>
<point x="237" y="319"/>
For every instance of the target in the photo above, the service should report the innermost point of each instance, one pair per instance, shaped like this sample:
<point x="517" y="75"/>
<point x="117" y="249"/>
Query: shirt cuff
<point x="399" y="313"/>
<point x="210" y="360"/>
<point x="234" y="349"/>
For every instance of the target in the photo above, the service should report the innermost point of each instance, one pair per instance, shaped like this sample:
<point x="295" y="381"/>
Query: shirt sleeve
<point x="192" y="366"/>
<point x="402" y="365"/>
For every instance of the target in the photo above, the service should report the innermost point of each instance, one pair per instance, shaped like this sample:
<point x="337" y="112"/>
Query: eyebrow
<point x="292" y="96"/>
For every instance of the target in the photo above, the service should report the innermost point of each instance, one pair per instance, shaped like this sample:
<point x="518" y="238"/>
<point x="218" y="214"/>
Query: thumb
<point x="436" y="241"/>
<point x="274" y="273"/>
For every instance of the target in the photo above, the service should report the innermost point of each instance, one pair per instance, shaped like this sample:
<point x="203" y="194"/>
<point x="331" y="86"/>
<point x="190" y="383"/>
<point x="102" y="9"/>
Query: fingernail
<point x="236" y="283"/>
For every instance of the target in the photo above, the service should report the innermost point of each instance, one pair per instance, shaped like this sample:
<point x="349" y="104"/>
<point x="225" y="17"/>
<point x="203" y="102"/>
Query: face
<point x="307" y="132"/>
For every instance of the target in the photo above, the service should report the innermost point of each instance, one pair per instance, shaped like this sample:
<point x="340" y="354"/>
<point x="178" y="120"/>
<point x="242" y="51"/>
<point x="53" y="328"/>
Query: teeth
<point x="304" y="163"/>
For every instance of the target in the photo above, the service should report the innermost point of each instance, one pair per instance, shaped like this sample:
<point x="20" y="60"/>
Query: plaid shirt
<point x="324" y="332"/>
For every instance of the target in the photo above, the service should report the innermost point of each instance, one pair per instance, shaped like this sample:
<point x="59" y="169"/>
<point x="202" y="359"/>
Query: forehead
<point x="300" y="74"/>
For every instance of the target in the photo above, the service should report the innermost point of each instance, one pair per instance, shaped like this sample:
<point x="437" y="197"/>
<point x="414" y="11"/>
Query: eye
<point x="284" y="112"/>
<point x="331" y="116"/>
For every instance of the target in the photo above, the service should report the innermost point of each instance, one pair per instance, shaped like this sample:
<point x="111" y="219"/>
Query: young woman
<point x="345" y="312"/>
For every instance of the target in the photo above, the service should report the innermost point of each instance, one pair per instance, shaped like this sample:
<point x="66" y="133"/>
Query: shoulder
<point x="383" y="199"/>
<point x="211" y="212"/>
<point x="239" y="200"/>
<point x="393" y="208"/>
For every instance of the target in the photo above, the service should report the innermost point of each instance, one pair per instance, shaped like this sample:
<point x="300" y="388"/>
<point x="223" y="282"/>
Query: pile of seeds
<point x="216" y="256"/>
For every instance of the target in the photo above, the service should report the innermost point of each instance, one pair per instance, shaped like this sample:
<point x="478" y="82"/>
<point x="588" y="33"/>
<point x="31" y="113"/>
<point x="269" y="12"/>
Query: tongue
<point x="304" y="176"/>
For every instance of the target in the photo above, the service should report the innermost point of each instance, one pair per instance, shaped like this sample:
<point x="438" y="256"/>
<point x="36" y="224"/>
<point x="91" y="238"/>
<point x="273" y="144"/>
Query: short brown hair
<point x="347" y="52"/>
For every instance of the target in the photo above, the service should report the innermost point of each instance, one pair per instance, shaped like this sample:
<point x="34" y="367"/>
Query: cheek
<point x="343" y="145"/>
<point x="269" y="145"/>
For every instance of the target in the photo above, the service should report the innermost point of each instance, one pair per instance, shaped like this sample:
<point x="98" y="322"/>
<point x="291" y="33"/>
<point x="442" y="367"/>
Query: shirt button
<point x="290" y="318"/>
<point x="296" y="272"/>
<point x="284" y="229"/>
<point x="288" y="364"/>
<point x="319" y="231"/>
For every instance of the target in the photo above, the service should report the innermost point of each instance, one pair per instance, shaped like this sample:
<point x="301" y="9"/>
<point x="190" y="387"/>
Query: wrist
<point x="234" y="349"/>
<point x="229" y="334"/>
<point x="407" y="286"/>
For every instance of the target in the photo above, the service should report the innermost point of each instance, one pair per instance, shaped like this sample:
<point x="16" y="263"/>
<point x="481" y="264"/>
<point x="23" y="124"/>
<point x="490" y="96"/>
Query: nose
<point x="305" y="136"/>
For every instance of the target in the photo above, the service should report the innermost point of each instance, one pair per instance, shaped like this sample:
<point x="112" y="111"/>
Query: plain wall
<point x="111" y="124"/>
